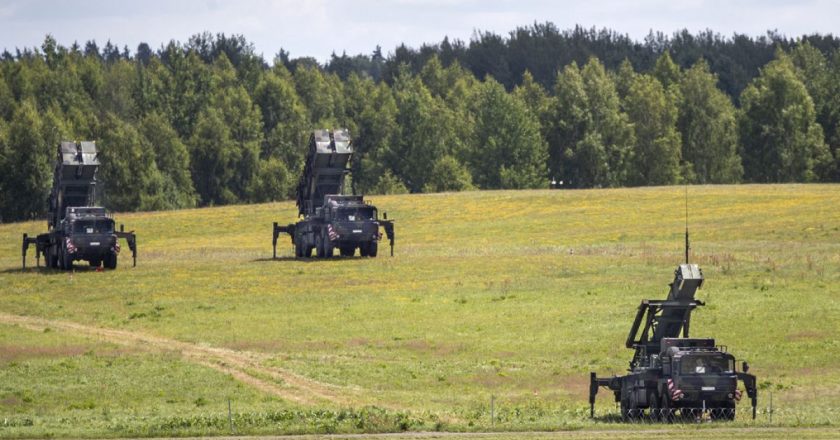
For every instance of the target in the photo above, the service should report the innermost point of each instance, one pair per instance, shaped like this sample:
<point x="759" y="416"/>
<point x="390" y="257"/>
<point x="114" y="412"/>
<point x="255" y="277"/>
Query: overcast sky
<point x="319" y="27"/>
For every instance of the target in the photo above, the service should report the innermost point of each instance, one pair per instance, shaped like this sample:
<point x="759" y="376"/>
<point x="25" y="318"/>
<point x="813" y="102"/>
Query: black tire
<point x="625" y="411"/>
<point x="667" y="411"/>
<point x="654" y="411"/>
<point x="49" y="261"/>
<point x="725" y="411"/>
<point x="373" y="248"/>
<point x="328" y="246"/>
<point x="630" y="411"/>
<point x="363" y="249"/>
<point x="319" y="247"/>
<point x="66" y="259"/>
<point x="110" y="261"/>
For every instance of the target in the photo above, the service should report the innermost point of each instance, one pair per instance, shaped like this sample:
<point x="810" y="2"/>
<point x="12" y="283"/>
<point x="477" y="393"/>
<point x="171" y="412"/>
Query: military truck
<point x="672" y="377"/>
<point x="330" y="219"/>
<point x="77" y="229"/>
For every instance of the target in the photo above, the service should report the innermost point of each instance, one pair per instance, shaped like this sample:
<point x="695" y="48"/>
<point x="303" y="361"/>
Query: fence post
<point x="230" y="417"/>
<point x="492" y="410"/>
<point x="771" y="408"/>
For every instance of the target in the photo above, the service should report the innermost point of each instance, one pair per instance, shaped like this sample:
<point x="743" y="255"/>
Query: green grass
<point x="512" y="294"/>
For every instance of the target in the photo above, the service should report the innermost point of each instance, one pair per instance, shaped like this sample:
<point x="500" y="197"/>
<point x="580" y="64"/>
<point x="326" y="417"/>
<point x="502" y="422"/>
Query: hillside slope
<point x="511" y="294"/>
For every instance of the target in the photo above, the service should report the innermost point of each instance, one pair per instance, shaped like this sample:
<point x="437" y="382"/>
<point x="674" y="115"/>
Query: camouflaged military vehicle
<point x="332" y="220"/>
<point x="672" y="377"/>
<point x="78" y="230"/>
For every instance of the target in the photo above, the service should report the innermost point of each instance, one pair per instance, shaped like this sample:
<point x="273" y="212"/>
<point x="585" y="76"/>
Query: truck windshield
<point x="355" y="214"/>
<point x="705" y="364"/>
<point x="93" y="227"/>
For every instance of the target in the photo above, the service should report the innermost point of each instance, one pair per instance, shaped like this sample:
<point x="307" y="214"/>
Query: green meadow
<point x="509" y="297"/>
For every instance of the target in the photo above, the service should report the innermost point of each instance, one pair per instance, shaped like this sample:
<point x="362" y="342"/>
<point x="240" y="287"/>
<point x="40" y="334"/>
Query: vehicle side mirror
<point x="745" y="366"/>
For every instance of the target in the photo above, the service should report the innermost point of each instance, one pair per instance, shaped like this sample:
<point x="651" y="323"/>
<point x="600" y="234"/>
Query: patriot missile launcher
<point x="77" y="229"/>
<point x="330" y="219"/>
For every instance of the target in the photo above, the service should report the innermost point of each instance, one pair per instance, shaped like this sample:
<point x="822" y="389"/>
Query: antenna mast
<point x="687" y="247"/>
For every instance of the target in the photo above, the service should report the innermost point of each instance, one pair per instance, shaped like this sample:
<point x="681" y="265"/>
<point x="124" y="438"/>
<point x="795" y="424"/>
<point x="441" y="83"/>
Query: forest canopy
<point x="209" y="121"/>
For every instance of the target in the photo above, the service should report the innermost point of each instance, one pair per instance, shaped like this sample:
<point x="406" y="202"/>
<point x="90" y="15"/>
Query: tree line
<point x="210" y="122"/>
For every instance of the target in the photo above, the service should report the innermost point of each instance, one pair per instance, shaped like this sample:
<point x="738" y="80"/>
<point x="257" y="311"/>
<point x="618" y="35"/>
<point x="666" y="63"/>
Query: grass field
<point x="512" y="296"/>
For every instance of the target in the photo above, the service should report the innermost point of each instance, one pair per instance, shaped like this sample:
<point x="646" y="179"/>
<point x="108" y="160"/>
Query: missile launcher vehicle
<point x="77" y="229"/>
<point x="672" y="376"/>
<point x="330" y="219"/>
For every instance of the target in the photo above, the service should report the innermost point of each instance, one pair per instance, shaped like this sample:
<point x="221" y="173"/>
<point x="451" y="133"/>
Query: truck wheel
<point x="319" y="246"/>
<point x="630" y="411"/>
<point x="625" y="411"/>
<point x="655" y="412"/>
<point x="110" y="261"/>
<point x="667" y="411"/>
<point x="373" y="247"/>
<point x="328" y="246"/>
<point x="724" y="411"/>
<point x="66" y="259"/>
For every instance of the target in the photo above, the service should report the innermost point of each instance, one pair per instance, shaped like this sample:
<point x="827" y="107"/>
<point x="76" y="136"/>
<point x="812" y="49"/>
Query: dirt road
<point x="245" y="366"/>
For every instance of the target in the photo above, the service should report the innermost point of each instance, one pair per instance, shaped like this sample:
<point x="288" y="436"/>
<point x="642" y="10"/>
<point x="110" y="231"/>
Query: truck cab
<point x="352" y="224"/>
<point x="697" y="375"/>
<point x="90" y="235"/>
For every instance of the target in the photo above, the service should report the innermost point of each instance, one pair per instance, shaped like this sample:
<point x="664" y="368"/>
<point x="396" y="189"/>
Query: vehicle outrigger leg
<point x="277" y="230"/>
<point x="130" y="238"/>
<point x="27" y="240"/>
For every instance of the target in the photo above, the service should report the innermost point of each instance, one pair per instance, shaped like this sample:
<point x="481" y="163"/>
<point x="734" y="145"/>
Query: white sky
<point x="318" y="27"/>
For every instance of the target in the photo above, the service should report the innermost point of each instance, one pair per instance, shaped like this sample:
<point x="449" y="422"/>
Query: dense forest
<point x="210" y="122"/>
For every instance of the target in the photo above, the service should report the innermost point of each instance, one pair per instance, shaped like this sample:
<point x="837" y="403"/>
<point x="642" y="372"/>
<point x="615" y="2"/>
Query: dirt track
<point x="244" y="366"/>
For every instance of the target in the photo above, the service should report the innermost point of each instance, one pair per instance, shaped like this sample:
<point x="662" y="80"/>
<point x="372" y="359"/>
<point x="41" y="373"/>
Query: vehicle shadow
<point x="608" y="418"/>
<point x="307" y="260"/>
<point x="46" y="270"/>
